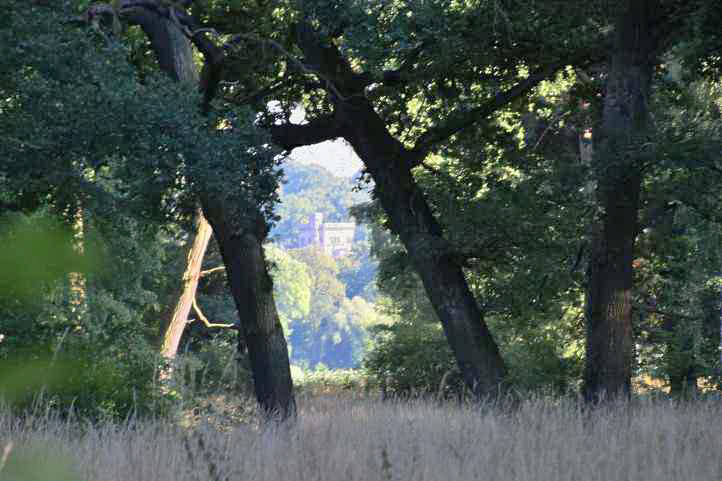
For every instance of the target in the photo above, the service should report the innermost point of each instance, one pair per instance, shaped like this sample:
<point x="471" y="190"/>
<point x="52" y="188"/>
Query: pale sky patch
<point x="337" y="156"/>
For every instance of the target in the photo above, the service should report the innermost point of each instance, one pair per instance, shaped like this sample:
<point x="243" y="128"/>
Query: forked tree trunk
<point x="173" y="330"/>
<point x="609" y="339"/>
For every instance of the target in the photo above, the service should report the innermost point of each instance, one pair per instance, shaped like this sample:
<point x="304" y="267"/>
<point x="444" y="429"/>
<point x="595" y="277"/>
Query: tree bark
<point x="609" y="340"/>
<point x="171" y="47"/>
<point x="240" y="238"/>
<point x="719" y="307"/>
<point x="173" y="330"/>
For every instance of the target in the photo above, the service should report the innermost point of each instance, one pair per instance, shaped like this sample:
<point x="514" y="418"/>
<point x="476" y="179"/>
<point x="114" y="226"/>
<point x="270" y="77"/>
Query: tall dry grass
<point x="346" y="439"/>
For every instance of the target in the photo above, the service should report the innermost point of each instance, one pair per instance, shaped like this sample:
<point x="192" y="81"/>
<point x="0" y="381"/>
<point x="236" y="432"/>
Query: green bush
<point x="415" y="358"/>
<point x="214" y="366"/>
<point x="83" y="381"/>
<point x="328" y="381"/>
<point x="535" y="366"/>
<point x="410" y="359"/>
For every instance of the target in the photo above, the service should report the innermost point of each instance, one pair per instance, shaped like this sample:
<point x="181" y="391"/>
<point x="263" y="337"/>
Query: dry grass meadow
<point x="346" y="439"/>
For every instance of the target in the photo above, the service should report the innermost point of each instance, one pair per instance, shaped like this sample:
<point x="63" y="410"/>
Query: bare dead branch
<point x="208" y="323"/>
<point x="211" y="271"/>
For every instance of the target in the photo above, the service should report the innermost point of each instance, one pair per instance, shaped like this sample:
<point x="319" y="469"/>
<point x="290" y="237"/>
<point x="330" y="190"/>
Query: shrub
<point x="415" y="358"/>
<point x="83" y="381"/>
<point x="412" y="359"/>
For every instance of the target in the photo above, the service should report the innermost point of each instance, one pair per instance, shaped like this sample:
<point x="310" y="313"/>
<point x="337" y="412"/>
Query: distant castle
<point x="335" y="238"/>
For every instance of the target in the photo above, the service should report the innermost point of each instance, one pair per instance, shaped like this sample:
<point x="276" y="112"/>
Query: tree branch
<point x="211" y="271"/>
<point x="258" y="94"/>
<point x="20" y="142"/>
<point x="291" y="58"/>
<point x="290" y="136"/>
<point x="134" y="11"/>
<point x="651" y="310"/>
<point x="325" y="59"/>
<point x="401" y="75"/>
<point x="208" y="323"/>
<point x="462" y="120"/>
<point x="657" y="215"/>
<point x="578" y="258"/>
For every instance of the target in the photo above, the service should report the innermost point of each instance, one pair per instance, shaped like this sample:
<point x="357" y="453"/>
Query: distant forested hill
<point x="308" y="189"/>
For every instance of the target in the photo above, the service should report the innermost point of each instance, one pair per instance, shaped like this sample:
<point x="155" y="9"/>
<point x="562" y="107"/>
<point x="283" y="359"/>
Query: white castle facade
<point x="335" y="238"/>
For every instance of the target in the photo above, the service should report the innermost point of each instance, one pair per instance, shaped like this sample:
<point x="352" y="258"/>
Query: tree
<point x="625" y="121"/>
<point x="240" y="229"/>
<point x="373" y="77"/>
<point x="643" y="31"/>
<point x="175" y="58"/>
<point x="94" y="147"/>
<point x="173" y="329"/>
<point x="174" y="143"/>
<point x="293" y="284"/>
<point x="344" y="109"/>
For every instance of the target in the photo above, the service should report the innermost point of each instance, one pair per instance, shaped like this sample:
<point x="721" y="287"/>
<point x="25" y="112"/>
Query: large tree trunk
<point x="410" y="216"/>
<point x="240" y="239"/>
<point x="720" y="329"/>
<point x="173" y="330"/>
<point x="610" y="343"/>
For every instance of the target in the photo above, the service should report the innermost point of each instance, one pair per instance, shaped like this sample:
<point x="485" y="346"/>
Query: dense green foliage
<point x="97" y="179"/>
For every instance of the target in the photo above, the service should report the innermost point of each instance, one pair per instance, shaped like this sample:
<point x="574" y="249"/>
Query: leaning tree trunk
<point x="171" y="47"/>
<point x="474" y="348"/>
<point x="174" y="328"/>
<point x="175" y="57"/>
<point x="610" y="342"/>
<point x="240" y="238"/>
